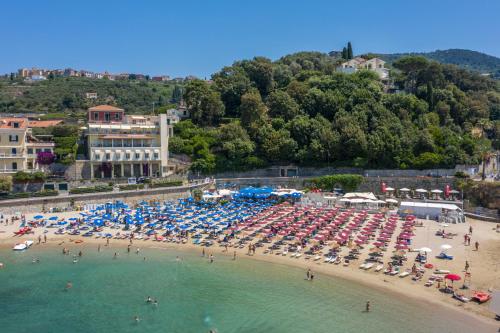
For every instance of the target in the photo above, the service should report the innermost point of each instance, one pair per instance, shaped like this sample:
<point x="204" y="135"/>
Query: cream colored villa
<point x="123" y="146"/>
<point x="19" y="147"/>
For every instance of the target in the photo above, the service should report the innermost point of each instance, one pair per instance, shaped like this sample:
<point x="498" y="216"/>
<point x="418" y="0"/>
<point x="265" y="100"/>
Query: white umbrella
<point x="391" y="201"/>
<point x="421" y="190"/>
<point x="404" y="189"/>
<point x="437" y="191"/>
<point x="446" y="247"/>
<point x="389" y="189"/>
<point x="425" y="249"/>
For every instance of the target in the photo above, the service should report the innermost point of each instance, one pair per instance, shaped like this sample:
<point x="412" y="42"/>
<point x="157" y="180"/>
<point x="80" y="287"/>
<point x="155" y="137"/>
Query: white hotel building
<point x="122" y="146"/>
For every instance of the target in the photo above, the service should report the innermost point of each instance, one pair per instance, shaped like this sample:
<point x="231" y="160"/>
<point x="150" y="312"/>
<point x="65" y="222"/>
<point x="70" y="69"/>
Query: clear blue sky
<point x="185" y="37"/>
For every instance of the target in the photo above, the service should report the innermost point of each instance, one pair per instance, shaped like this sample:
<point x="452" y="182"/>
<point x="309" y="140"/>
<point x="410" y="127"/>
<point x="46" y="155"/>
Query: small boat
<point x="22" y="246"/>
<point x="481" y="296"/>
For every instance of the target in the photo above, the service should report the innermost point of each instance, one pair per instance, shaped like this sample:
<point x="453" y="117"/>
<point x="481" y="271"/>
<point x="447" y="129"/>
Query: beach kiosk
<point x="431" y="210"/>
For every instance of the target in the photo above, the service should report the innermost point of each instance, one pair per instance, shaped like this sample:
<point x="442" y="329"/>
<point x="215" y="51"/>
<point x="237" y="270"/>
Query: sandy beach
<point x="484" y="264"/>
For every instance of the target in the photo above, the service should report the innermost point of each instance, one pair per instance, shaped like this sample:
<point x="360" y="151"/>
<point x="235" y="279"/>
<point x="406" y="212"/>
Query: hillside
<point x="299" y="110"/>
<point x="467" y="59"/>
<point x="66" y="96"/>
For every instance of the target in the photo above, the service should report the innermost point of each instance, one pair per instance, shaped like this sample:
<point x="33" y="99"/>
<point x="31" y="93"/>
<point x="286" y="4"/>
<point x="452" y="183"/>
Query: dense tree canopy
<point x="299" y="110"/>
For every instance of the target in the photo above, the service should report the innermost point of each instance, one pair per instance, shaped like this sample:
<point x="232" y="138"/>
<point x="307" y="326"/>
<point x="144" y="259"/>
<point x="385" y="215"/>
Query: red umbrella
<point x="452" y="277"/>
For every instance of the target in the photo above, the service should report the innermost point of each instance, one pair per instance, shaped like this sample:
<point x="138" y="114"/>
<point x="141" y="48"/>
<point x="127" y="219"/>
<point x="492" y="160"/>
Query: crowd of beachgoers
<point x="453" y="261"/>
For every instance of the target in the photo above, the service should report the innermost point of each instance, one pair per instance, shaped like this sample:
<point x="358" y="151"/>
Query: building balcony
<point x="2" y="155"/>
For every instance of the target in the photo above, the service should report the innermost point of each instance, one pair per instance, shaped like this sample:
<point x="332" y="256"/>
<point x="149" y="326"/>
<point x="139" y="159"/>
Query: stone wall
<point x="34" y="205"/>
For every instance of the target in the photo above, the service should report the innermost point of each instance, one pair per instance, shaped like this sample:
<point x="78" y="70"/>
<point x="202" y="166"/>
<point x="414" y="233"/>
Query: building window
<point x="127" y="156"/>
<point x="47" y="150"/>
<point x="117" y="116"/>
<point x="155" y="156"/>
<point x="168" y="121"/>
<point x="38" y="150"/>
<point x="96" y="115"/>
<point x="14" y="151"/>
<point x="97" y="156"/>
<point x="106" y="116"/>
<point x="15" y="125"/>
<point x="30" y="150"/>
<point x="137" y="156"/>
<point x="146" y="156"/>
<point x="13" y="138"/>
<point x="118" y="155"/>
<point x="108" y="156"/>
<point x="14" y="165"/>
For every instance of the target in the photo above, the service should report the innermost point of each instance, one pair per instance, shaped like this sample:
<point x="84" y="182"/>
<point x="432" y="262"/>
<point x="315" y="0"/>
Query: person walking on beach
<point x="476" y="245"/>
<point x="39" y="239"/>
<point x="128" y="248"/>
<point x="470" y="230"/>
<point x="107" y="241"/>
<point x="466" y="266"/>
<point x="45" y="238"/>
<point x="367" y="308"/>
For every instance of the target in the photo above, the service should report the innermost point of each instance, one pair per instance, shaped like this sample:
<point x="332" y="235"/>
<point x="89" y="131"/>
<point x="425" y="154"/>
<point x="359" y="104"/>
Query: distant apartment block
<point x="375" y="64"/>
<point x="19" y="148"/>
<point x="122" y="146"/>
<point x="91" y="95"/>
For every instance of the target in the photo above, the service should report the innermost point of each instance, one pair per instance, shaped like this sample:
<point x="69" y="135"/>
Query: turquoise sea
<point x="196" y="296"/>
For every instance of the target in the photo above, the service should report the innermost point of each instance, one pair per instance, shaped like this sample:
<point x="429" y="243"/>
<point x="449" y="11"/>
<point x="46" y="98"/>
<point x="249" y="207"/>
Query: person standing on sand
<point x="45" y="238"/>
<point x="476" y="245"/>
<point x="39" y="239"/>
<point x="466" y="266"/>
<point x="308" y="274"/>
<point x="470" y="230"/>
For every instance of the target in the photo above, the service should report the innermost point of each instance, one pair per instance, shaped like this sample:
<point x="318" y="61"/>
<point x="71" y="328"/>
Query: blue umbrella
<point x="53" y="218"/>
<point x="37" y="217"/>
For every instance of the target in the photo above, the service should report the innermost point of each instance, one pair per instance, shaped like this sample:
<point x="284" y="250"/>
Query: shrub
<point x="348" y="182"/>
<point x="21" y="195"/>
<point x="166" y="184"/>
<point x="461" y="174"/>
<point x="131" y="187"/>
<point x="91" y="189"/>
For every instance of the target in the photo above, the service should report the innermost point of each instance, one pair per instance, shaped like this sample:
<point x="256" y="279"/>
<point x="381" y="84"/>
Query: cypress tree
<point x="430" y="96"/>
<point x="344" y="53"/>
<point x="349" y="50"/>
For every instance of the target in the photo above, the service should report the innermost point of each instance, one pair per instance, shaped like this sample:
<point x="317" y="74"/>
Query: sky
<point x="198" y="37"/>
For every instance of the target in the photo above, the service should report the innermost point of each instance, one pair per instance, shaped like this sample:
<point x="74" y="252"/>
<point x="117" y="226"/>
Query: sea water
<point x="195" y="295"/>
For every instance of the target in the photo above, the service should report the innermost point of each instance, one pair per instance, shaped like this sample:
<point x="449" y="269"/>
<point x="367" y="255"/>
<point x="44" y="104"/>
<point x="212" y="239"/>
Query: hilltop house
<point x="375" y="64"/>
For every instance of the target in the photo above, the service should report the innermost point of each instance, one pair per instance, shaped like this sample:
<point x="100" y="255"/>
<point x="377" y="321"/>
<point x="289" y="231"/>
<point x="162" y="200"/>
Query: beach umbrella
<point x="452" y="277"/>
<point x="425" y="249"/>
<point x="37" y="217"/>
<point x="420" y="190"/>
<point x="445" y="247"/>
<point x="53" y="218"/>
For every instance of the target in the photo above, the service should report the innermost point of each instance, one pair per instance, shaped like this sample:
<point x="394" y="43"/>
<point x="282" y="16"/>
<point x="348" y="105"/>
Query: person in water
<point x="149" y="299"/>
<point x="367" y="306"/>
<point x="80" y="253"/>
<point x="69" y="285"/>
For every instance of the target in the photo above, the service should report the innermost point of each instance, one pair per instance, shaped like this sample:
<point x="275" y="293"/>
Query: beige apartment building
<point x="19" y="147"/>
<point x="123" y="146"/>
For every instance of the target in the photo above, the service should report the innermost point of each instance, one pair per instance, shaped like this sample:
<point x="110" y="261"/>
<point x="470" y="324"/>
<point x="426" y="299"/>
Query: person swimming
<point x="69" y="285"/>
<point x="149" y="299"/>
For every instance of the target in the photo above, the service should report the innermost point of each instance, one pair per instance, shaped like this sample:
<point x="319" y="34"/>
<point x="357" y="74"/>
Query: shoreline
<point x="393" y="285"/>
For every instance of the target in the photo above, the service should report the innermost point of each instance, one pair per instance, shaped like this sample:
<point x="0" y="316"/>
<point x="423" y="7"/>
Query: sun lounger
<point x="441" y="271"/>
<point x="379" y="268"/>
<point x="429" y="283"/>
<point x="404" y="274"/>
<point x="363" y="265"/>
<point x="369" y="266"/>
<point x="317" y="258"/>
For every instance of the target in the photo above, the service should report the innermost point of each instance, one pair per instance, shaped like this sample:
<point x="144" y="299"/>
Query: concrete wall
<point x="35" y="205"/>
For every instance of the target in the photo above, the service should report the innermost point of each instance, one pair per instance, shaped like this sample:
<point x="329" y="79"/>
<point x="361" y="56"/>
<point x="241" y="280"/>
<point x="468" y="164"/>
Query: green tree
<point x="280" y="104"/>
<point x="203" y="103"/>
<point x="252" y="108"/>
<point x="349" y="50"/>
